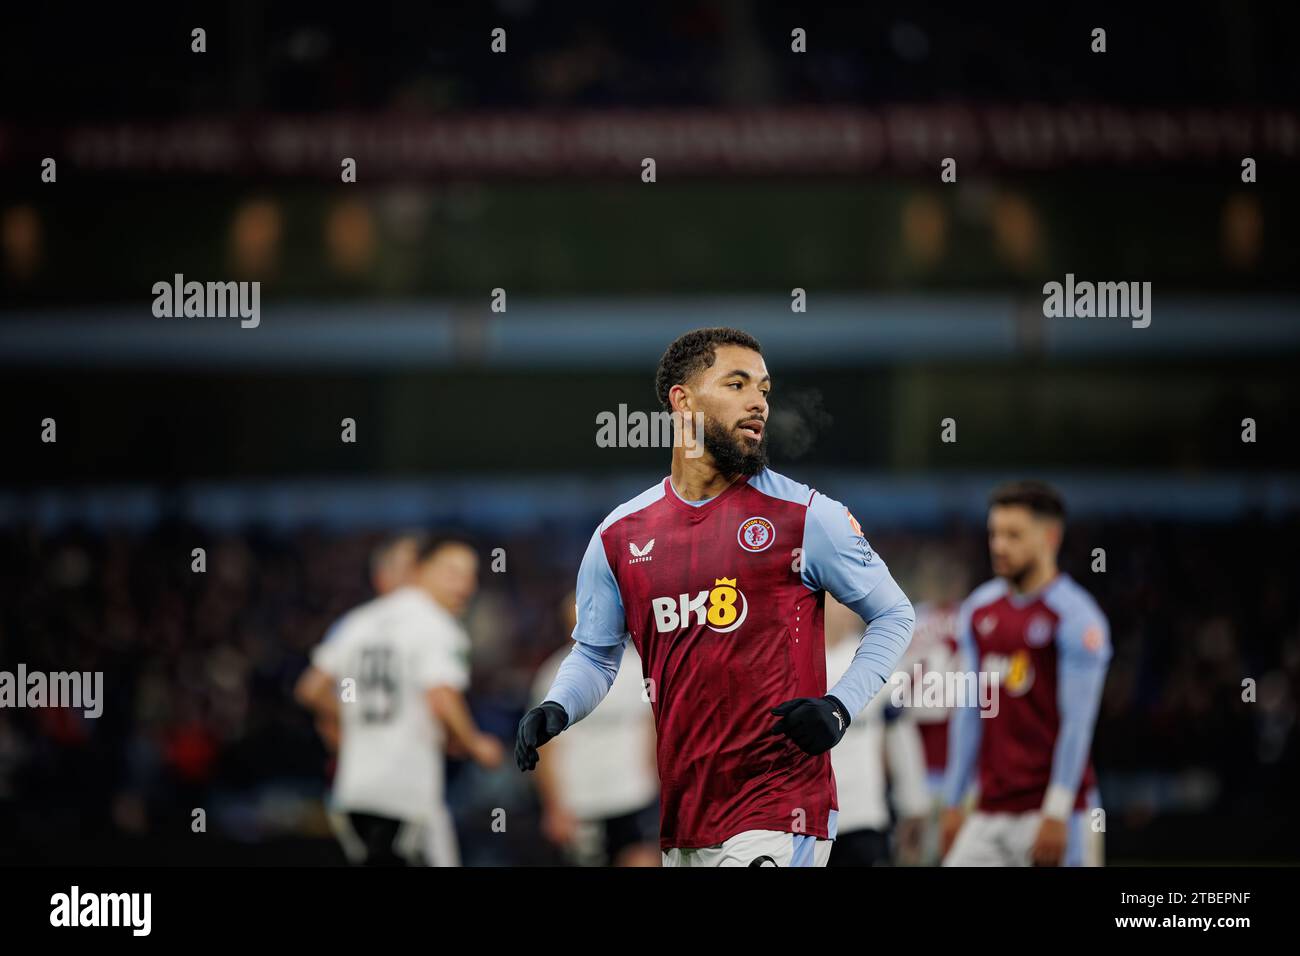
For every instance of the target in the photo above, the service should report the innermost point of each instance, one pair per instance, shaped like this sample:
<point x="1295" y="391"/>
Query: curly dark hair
<point x="1038" y="496"/>
<point x="694" y="352"/>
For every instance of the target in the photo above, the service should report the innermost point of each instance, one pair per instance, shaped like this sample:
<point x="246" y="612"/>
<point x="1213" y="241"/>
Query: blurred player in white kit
<point x="404" y="658"/>
<point x="598" y="784"/>
<point x="391" y="564"/>
<point x="879" y="734"/>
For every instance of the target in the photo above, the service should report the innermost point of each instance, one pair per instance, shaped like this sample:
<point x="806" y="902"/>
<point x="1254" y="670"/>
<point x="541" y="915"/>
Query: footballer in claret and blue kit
<point x="718" y="575"/>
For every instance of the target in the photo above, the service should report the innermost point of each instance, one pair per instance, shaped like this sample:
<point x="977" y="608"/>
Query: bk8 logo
<point x="721" y="609"/>
<point x="1015" y="671"/>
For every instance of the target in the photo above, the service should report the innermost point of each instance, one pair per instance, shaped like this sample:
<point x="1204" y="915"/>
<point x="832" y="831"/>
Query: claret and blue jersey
<point x="1050" y="650"/>
<point x="724" y="600"/>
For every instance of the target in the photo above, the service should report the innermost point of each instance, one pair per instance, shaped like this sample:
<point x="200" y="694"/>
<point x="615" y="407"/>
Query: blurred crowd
<point x="403" y="56"/>
<point x="1198" y="717"/>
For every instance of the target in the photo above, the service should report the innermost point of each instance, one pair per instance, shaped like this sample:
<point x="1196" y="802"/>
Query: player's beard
<point x="734" y="454"/>
<point x="1018" y="576"/>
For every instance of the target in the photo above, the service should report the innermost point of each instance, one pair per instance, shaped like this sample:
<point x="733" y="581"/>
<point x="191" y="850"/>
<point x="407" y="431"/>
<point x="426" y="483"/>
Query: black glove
<point x="816" y="724"/>
<point x="538" y="726"/>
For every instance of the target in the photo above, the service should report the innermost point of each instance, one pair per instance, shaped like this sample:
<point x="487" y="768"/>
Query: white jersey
<point x="605" y="762"/>
<point x="859" y="758"/>
<point x="395" y="648"/>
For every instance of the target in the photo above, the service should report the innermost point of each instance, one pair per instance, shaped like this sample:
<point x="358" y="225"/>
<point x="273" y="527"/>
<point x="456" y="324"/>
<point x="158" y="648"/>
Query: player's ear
<point x="679" y="399"/>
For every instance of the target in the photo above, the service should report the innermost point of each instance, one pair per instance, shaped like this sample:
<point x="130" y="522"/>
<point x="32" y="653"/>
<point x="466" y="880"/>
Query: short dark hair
<point x="1038" y="496"/>
<point x="694" y="352"/>
<point x="427" y="545"/>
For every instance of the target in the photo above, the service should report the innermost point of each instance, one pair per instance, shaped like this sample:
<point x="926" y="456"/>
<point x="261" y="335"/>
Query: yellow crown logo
<point x="724" y="582"/>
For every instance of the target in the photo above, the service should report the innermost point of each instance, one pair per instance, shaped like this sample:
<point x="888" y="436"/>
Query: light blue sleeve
<point x="584" y="678"/>
<point x="601" y="620"/>
<point x="964" y="728"/>
<point x="837" y="559"/>
<point x="587" y="673"/>
<point x="1083" y="653"/>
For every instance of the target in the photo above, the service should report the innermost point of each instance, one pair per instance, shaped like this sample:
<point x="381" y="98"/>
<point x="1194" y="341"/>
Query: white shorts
<point x="441" y="848"/>
<point x="756" y="848"/>
<point x="1005" y="839"/>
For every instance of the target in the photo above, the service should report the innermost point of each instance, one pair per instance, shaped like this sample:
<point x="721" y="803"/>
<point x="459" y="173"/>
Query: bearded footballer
<point x="718" y="576"/>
